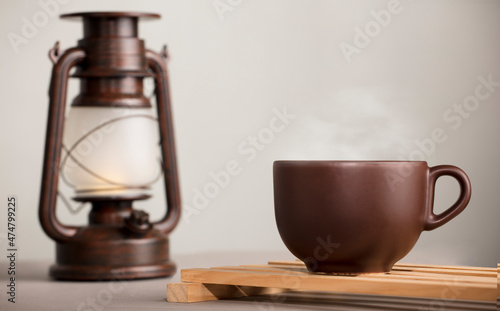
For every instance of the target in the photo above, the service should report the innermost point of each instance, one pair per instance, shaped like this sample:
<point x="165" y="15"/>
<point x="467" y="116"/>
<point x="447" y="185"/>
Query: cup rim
<point x="349" y="162"/>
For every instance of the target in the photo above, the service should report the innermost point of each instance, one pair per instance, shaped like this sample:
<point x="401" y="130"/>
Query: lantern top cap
<point x="110" y="24"/>
<point x="142" y="15"/>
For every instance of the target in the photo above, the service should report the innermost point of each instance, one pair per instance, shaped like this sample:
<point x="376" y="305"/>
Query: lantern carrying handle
<point x="157" y="64"/>
<point x="52" y="155"/>
<point x="54" y="53"/>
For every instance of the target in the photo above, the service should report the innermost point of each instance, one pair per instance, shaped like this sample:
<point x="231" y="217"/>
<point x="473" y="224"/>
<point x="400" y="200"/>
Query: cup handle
<point x="434" y="221"/>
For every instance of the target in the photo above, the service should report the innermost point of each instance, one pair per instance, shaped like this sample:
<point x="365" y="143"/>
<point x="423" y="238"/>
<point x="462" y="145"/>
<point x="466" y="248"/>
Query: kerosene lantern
<point x="107" y="150"/>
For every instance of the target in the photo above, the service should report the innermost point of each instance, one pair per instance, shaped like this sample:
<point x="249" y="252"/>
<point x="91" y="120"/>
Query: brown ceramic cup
<point x="358" y="216"/>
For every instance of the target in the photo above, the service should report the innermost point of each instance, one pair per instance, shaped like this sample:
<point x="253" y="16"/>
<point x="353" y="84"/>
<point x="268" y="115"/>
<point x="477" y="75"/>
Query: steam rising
<point x="354" y="124"/>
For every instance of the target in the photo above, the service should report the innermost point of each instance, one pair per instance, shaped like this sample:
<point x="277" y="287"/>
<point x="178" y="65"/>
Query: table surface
<point x="36" y="291"/>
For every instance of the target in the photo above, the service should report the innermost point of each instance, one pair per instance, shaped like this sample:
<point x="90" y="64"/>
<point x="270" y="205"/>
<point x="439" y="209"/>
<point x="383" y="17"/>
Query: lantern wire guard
<point x="68" y="155"/>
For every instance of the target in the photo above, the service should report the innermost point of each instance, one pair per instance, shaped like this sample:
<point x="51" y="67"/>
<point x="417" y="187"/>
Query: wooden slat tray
<point x="406" y="280"/>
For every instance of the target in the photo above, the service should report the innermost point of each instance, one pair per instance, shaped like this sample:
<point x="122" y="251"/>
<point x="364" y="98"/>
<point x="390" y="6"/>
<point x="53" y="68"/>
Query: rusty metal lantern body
<point x="119" y="241"/>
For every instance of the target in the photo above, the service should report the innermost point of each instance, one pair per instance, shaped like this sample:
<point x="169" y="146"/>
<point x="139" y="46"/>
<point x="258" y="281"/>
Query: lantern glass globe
<point x="110" y="151"/>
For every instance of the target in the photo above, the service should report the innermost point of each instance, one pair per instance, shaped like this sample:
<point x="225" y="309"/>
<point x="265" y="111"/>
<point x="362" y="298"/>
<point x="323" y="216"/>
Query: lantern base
<point x="106" y="273"/>
<point x="110" y="252"/>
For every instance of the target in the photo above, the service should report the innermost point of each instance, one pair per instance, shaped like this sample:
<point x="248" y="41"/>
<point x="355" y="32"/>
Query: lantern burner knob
<point x="138" y="222"/>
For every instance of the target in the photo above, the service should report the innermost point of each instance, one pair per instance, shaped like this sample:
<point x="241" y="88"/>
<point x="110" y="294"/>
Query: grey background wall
<point x="355" y="82"/>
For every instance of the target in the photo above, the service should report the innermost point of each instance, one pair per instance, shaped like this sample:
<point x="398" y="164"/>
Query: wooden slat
<point x="457" y="270"/>
<point x="408" y="271"/>
<point x="196" y="292"/>
<point x="286" y="263"/>
<point x="446" y="267"/>
<point x="398" y="275"/>
<point x="446" y="271"/>
<point x="399" y="266"/>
